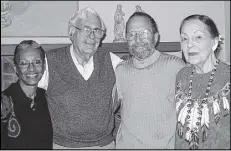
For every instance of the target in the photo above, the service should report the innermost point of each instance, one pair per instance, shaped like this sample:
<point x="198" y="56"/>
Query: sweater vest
<point x="81" y="110"/>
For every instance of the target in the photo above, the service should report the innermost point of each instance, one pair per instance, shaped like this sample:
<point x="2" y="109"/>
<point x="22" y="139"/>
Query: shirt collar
<point x="89" y="63"/>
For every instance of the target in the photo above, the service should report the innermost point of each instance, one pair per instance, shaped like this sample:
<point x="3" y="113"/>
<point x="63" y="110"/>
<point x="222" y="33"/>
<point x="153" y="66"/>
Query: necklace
<point x="208" y="86"/>
<point x="33" y="104"/>
<point x="194" y="141"/>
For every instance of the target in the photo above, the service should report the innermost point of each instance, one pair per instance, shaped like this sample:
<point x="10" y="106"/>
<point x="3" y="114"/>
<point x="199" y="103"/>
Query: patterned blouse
<point x="207" y="125"/>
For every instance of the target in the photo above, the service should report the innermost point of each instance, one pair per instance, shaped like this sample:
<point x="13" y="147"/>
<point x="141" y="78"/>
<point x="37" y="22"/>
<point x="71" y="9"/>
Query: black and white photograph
<point x="115" y="75"/>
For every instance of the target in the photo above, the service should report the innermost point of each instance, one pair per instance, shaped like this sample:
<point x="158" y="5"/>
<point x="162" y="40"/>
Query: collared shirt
<point x="85" y="70"/>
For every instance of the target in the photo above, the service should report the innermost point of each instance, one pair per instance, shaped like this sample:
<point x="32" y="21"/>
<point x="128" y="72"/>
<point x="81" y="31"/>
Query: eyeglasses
<point x="143" y="34"/>
<point x="25" y="64"/>
<point x="86" y="31"/>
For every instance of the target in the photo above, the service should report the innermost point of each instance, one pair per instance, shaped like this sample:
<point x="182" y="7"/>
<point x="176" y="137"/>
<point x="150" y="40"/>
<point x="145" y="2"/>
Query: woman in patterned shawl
<point x="202" y="88"/>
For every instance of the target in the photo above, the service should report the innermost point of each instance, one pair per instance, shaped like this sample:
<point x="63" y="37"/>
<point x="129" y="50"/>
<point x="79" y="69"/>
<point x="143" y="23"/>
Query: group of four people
<point x="91" y="99"/>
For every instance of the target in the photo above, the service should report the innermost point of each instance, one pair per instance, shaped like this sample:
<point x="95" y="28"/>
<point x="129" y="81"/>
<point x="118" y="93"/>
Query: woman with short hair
<point x="25" y="119"/>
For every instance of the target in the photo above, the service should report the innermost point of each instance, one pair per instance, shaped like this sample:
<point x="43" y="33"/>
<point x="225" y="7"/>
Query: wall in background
<point x="168" y="15"/>
<point x="227" y="32"/>
<point x="43" y="21"/>
<point x="46" y="21"/>
<point x="39" y="18"/>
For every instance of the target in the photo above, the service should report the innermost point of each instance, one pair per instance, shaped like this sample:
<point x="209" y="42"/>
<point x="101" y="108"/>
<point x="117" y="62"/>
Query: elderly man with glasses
<point x="145" y="86"/>
<point x="79" y="86"/>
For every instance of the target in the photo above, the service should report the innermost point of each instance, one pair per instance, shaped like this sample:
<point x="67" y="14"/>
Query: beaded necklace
<point x="33" y="103"/>
<point x="208" y="86"/>
<point x="195" y="139"/>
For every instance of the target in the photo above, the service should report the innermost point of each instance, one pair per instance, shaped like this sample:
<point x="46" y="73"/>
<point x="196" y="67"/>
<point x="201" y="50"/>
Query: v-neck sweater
<point x="81" y="110"/>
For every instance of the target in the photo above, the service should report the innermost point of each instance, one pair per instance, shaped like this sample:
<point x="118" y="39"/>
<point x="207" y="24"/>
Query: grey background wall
<point x="46" y="21"/>
<point x="227" y="31"/>
<point x="39" y="18"/>
<point x="168" y="15"/>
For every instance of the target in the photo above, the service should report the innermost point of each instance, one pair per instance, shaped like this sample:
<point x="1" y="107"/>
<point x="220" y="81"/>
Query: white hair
<point x="81" y="15"/>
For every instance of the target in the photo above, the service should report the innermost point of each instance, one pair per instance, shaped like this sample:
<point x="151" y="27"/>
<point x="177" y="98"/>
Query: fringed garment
<point x="203" y="125"/>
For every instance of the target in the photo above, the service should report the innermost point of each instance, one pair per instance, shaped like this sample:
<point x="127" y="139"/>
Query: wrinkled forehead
<point x="192" y="26"/>
<point x="90" y="20"/>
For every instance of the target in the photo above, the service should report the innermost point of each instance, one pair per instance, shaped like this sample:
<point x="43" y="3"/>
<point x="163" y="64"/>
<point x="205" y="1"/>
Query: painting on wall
<point x="36" y="18"/>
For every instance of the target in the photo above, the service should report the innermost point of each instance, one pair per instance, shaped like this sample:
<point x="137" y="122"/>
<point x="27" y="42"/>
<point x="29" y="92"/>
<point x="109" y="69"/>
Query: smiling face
<point x="142" y="46"/>
<point x="196" y="42"/>
<point x="87" y="45"/>
<point x="29" y="76"/>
